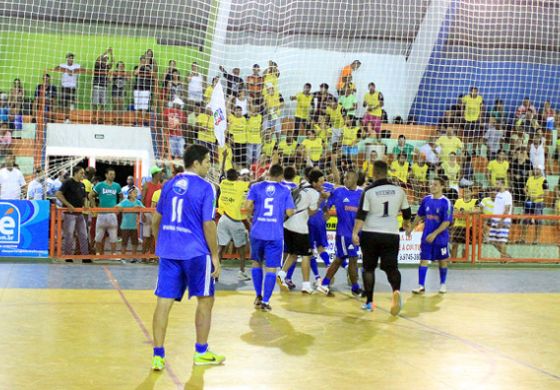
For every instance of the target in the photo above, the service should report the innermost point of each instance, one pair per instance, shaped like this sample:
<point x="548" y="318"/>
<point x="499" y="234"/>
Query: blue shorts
<point x="269" y="251"/>
<point x="175" y="276"/>
<point x="318" y="234"/>
<point x="433" y="252"/>
<point x="345" y="248"/>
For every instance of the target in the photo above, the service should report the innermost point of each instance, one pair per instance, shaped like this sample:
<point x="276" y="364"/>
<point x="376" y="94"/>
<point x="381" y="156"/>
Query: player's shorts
<point x="499" y="234"/>
<point x="433" y="252"/>
<point x="269" y="251"/>
<point x="459" y="234"/>
<point x="142" y="100"/>
<point x="296" y="243"/>
<point x="147" y="226"/>
<point x="175" y="276"/>
<point x="318" y="234"/>
<point x="374" y="120"/>
<point x="230" y="230"/>
<point x="376" y="246"/>
<point x="533" y="208"/>
<point x="106" y="223"/>
<point x="345" y="248"/>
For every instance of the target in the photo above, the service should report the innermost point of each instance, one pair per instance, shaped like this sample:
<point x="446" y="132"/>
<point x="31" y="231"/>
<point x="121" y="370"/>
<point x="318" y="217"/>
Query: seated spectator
<point x="37" y="188"/>
<point x="323" y="130"/>
<point x="494" y="137"/>
<point x="399" y="169"/>
<point x="45" y="99"/>
<point x="367" y="166"/>
<point x="449" y="192"/>
<point x="234" y="83"/>
<point x="547" y="117"/>
<point x="349" y="102"/>
<point x="4" y="109"/>
<point x="419" y="177"/>
<point x="195" y="86"/>
<point x="498" y="169"/>
<point x="273" y="103"/>
<point x="5" y="139"/>
<point x="336" y="118"/>
<point x="350" y="139"/>
<point x="171" y="66"/>
<point x="254" y="138"/>
<point x="237" y="127"/>
<point x="312" y="149"/>
<point x="534" y="204"/>
<point x="537" y="149"/>
<point x="119" y="78"/>
<point x="446" y="120"/>
<point x="452" y="169"/>
<point x="129" y="222"/>
<point x="240" y="100"/>
<point x="303" y="109"/>
<point x="101" y="68"/>
<point x="498" y="113"/>
<point x="373" y="103"/>
<point x="11" y="180"/>
<point x="520" y="169"/>
<point x="174" y="125"/>
<point x="320" y="101"/>
<point x="403" y="147"/>
<point x="269" y="145"/>
<point x="449" y="143"/>
<point x="527" y="124"/>
<point x="467" y="171"/>
<point x="288" y="149"/>
<point x="431" y="151"/>
<point x="525" y="107"/>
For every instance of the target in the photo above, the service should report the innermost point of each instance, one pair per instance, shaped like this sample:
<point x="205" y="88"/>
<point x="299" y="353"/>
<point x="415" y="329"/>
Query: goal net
<point x="435" y="88"/>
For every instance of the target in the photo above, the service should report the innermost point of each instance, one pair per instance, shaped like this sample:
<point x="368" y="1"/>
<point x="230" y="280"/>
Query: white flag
<point x="218" y="107"/>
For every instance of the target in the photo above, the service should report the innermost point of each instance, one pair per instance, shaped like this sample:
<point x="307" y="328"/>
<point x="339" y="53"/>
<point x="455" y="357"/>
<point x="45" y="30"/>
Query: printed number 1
<point x="269" y="207"/>
<point x="386" y="209"/>
<point x="177" y="210"/>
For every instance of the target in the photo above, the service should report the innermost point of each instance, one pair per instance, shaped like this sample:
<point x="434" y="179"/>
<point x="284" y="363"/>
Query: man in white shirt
<point x="296" y="230"/>
<point x="499" y="230"/>
<point x="11" y="181"/>
<point x="431" y="151"/>
<point x="69" y="84"/>
<point x="38" y="188"/>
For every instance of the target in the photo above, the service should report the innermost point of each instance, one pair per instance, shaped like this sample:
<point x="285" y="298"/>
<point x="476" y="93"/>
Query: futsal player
<point x="271" y="201"/>
<point x="186" y="243"/>
<point x="376" y="220"/>
<point x="436" y="212"/>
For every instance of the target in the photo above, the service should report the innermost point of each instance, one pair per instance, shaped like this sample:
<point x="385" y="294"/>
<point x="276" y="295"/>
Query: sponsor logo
<point x="180" y="186"/>
<point x="270" y="190"/>
<point x="218" y="116"/>
<point x="9" y="224"/>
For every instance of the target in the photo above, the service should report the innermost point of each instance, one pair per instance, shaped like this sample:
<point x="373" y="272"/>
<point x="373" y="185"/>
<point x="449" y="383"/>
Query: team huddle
<point x="288" y="221"/>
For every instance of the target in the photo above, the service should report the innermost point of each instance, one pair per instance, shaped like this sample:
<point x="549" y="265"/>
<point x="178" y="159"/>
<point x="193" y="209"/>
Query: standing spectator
<point x="336" y="117"/>
<point x="499" y="230"/>
<point x="151" y="61"/>
<point x="350" y="139"/>
<point x="373" y="102"/>
<point x="205" y="128"/>
<point x="5" y="139"/>
<point x="399" y="169"/>
<point x="403" y="147"/>
<point x="68" y="84"/>
<point x="234" y="83"/>
<point x="129" y="186"/>
<point x="148" y="190"/>
<point x="237" y="127"/>
<point x="323" y="129"/>
<point x="498" y="113"/>
<point x="520" y="170"/>
<point x="174" y="124"/>
<point x="473" y="108"/>
<point x="419" y="177"/>
<point x="174" y="90"/>
<point x="345" y="77"/>
<point x="142" y="89"/>
<point x="255" y="83"/>
<point x="129" y="229"/>
<point x="464" y="207"/>
<point x="272" y="74"/>
<point x="254" y="137"/>
<point x="72" y="195"/>
<point x="457" y="112"/>
<point x="45" y="91"/>
<point x="274" y="103"/>
<point x="210" y="89"/>
<point x="15" y="102"/>
<point x="103" y="65"/>
<point x="195" y="87"/>
<point x="548" y="115"/>
<point x="349" y="102"/>
<point x="303" y="107"/>
<point x="288" y="149"/>
<point x="452" y="169"/>
<point x="527" y="125"/>
<point x="312" y="148"/>
<point x="537" y="149"/>
<point x="320" y="101"/>
<point x="239" y="101"/>
<point x="109" y="194"/>
<point x="171" y="66"/>
<point x="11" y="180"/>
<point x="525" y="107"/>
<point x="498" y="169"/>
<point x="494" y="136"/>
<point x="534" y="205"/>
<point x="37" y="189"/>
<point x="449" y="143"/>
<point x="119" y="79"/>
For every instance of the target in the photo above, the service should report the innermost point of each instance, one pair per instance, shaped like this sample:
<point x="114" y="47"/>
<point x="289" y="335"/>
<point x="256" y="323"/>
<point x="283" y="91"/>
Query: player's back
<point x="270" y="200"/>
<point x="186" y="202"/>
<point x="318" y="219"/>
<point x="435" y="212"/>
<point x="383" y="202"/>
<point x="346" y="203"/>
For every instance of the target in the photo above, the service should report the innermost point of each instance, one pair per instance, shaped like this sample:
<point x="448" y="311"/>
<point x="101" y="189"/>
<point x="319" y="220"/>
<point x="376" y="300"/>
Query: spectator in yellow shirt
<point x="449" y="143"/>
<point x="473" y="106"/>
<point x="367" y="166"/>
<point x="205" y="129"/>
<point x="322" y="129"/>
<point x="303" y="109"/>
<point x="373" y="103"/>
<point x="209" y="89"/>
<point x="419" y="177"/>
<point x="288" y="149"/>
<point x="269" y="145"/>
<point x="225" y="155"/>
<point x="273" y="103"/>
<point x="312" y="148"/>
<point x="498" y="169"/>
<point x="399" y="169"/>
<point x="534" y="205"/>
<point x="334" y="112"/>
<point x="237" y="127"/>
<point x="452" y="169"/>
<point x="463" y="207"/>
<point x="349" y="139"/>
<point x="254" y="138"/>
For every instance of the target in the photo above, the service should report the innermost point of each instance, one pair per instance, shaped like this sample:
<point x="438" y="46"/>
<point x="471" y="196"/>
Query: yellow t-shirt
<point x="268" y="148"/>
<point x="254" y="126"/>
<point x="420" y="173"/>
<point x="400" y="171"/>
<point x="535" y="189"/>
<point x="557" y="207"/>
<point x="208" y="93"/>
<point x="155" y="198"/>
<point x="272" y="103"/>
<point x="287" y="149"/>
<point x="498" y="170"/>
<point x="237" y="127"/>
<point x="335" y="114"/>
<point x="303" y="105"/>
<point x="88" y="186"/>
<point x="314" y="148"/>
<point x="487" y="206"/>
<point x="232" y="198"/>
<point x="349" y="135"/>
<point x="325" y="134"/>
<point x="229" y="158"/>
<point x="205" y="124"/>
<point x="452" y="172"/>
<point x="472" y="107"/>
<point x="462" y="207"/>
<point x="270" y="78"/>
<point x="367" y="168"/>
<point x="448" y="145"/>
<point x="373" y="100"/>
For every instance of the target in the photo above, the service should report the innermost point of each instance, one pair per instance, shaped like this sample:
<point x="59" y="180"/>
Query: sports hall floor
<point x="89" y="327"/>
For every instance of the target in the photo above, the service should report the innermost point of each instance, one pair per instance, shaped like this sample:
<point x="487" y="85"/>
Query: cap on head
<point x="155" y="169"/>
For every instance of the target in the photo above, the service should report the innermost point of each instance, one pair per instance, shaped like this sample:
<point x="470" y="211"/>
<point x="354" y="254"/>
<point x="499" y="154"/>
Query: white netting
<point x="420" y="54"/>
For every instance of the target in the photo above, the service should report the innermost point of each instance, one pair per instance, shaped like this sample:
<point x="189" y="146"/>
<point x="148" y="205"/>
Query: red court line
<point x="140" y="323"/>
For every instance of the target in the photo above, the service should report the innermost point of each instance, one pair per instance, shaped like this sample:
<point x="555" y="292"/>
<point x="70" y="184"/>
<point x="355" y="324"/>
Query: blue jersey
<point x="186" y="202"/>
<point x="435" y="212"/>
<point x="346" y="203"/>
<point x="289" y="185"/>
<point x="271" y="200"/>
<point x="317" y="218"/>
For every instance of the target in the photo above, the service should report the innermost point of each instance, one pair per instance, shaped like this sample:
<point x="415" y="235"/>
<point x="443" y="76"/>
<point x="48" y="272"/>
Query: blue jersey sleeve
<point x="252" y="193"/>
<point x="208" y="203"/>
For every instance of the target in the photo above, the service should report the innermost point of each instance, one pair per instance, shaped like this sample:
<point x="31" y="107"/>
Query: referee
<point x="380" y="205"/>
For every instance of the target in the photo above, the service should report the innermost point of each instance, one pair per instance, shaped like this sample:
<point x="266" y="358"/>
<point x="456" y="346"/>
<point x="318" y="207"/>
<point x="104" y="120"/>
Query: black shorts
<point x="473" y="130"/>
<point x="382" y="246"/>
<point x="299" y="122"/>
<point x="67" y="96"/>
<point x="459" y="235"/>
<point x="296" y="243"/>
<point x="240" y="154"/>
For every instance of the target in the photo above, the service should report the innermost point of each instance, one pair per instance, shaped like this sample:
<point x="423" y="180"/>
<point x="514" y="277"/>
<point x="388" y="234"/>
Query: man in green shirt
<point x="403" y="147"/>
<point x="109" y="194"/>
<point x="349" y="102"/>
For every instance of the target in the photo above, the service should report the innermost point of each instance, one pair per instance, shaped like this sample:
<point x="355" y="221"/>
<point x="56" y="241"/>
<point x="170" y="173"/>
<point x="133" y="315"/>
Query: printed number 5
<point x="269" y="207"/>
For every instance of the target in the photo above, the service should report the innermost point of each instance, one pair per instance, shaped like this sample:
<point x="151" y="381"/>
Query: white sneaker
<point x="281" y="281"/>
<point x="419" y="290"/>
<point x="318" y="282"/>
<point x="323" y="289"/>
<point x="443" y="289"/>
<point x="306" y="288"/>
<point x="242" y="276"/>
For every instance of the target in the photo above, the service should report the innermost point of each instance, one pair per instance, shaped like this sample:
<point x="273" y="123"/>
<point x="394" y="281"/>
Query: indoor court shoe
<point x="258" y="302"/>
<point x="291" y="285"/>
<point x="208" y="358"/>
<point x="357" y="293"/>
<point x="397" y="303"/>
<point x="158" y="363"/>
<point x="419" y="290"/>
<point x="367" y="306"/>
<point x="243" y="277"/>
<point x="323" y="289"/>
<point x="266" y="307"/>
<point x="281" y="282"/>
<point x="443" y="289"/>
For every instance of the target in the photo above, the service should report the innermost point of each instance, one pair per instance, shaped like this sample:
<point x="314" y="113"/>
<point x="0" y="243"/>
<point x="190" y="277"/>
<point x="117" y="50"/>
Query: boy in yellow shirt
<point x="254" y="138"/>
<point x="334" y="112"/>
<point x="312" y="148"/>
<point x="463" y="207"/>
<point x="288" y="149"/>
<point x="449" y="143"/>
<point x="419" y="177"/>
<point x="399" y="169"/>
<point x="205" y="129"/>
<point x="303" y="108"/>
<point x="349" y="139"/>
<point x="323" y="130"/>
<point x="237" y="127"/>
<point x="498" y="169"/>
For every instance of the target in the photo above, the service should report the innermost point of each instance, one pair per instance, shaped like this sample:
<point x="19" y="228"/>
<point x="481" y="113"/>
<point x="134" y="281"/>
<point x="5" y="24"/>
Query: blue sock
<point x="291" y="270"/>
<point x="344" y="264"/>
<point x="355" y="286"/>
<point x="201" y="348"/>
<point x="159" y="351"/>
<point x="422" y="271"/>
<point x="326" y="281"/>
<point x="442" y="275"/>
<point x="314" y="266"/>
<point x="326" y="258"/>
<point x="257" y="280"/>
<point x="269" y="283"/>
